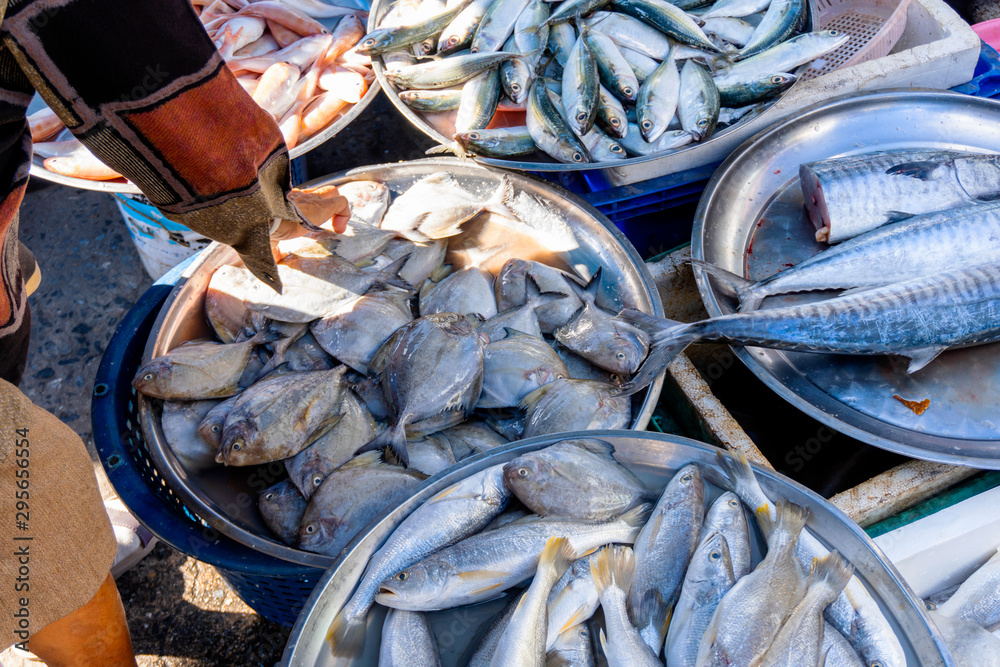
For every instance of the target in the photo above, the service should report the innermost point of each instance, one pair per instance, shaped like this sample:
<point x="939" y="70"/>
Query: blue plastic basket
<point x="274" y="588"/>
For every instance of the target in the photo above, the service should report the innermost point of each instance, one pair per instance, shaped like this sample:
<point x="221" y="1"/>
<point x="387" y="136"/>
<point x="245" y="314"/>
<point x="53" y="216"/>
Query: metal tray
<point x="751" y="221"/>
<point x="225" y="498"/>
<point x="127" y="187"/>
<point x="654" y="458"/>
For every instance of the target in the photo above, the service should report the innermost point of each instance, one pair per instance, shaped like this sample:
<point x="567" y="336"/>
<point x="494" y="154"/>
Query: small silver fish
<point x="575" y="405"/>
<point x="467" y="291"/>
<point x="281" y="507"/>
<point x="180" y="423"/>
<point x="407" y="640"/>
<point x="353" y="332"/>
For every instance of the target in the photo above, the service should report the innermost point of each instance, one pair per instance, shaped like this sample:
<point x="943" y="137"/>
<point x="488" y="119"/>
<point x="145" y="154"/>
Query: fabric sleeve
<point x="140" y="83"/>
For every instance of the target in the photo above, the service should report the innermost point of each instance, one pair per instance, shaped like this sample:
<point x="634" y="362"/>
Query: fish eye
<point x="474" y="136"/>
<point x="777" y="79"/>
<point x="687" y="478"/>
<point x="310" y="529"/>
<point x="401" y="576"/>
<point x="714" y="556"/>
<point x="236" y="446"/>
<point x="620" y="356"/>
<point x="703" y="122"/>
<point x="734" y="503"/>
<point x="615" y="122"/>
<point x="149" y="377"/>
<point x="522" y="472"/>
<point x="453" y="40"/>
<point x="875" y="663"/>
<point x="930" y="606"/>
<point x="560" y="376"/>
<point x="317" y="480"/>
<point x="584" y="632"/>
<point x="269" y="496"/>
<point x="578" y="157"/>
<point x="627" y="90"/>
<point x="647" y="125"/>
<point x="216" y="428"/>
<point x="368" y="42"/>
<point x="618" y="149"/>
<point x="582" y="116"/>
<point x="515" y="87"/>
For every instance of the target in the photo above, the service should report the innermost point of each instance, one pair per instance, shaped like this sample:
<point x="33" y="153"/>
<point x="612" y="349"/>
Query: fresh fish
<point x="663" y="550"/>
<point x="278" y="418"/>
<point x="669" y="140"/>
<point x="855" y="614"/>
<point x="436" y="206"/>
<point x="472" y="436"/>
<point x="515" y="75"/>
<point x="467" y="291"/>
<point x="483" y="654"/>
<point x="575" y="478"/>
<point x="485" y="565"/>
<point x="698" y="101"/>
<point x="668" y="19"/>
<point x="779" y="23"/>
<point x="573" y="600"/>
<point x="497" y="25"/>
<point x="511" y="289"/>
<point x="446" y="72"/>
<point x="969" y="644"/>
<point x="978" y="598"/>
<point x="709" y="577"/>
<point x="615" y="72"/>
<point x="458" y="34"/>
<point x="353" y="332"/>
<point x="224" y="307"/>
<point x="368" y="200"/>
<point x="733" y="30"/>
<point x="575" y="405"/>
<point x="611" y="115"/>
<point x="800" y="639"/>
<point x="658" y="99"/>
<point x="407" y="640"/>
<point x="430" y="455"/>
<point x="214" y="421"/>
<point x="750" y="614"/>
<point x="890" y="185"/>
<point x="581" y="369"/>
<point x="480" y="95"/>
<point x="599" y="337"/>
<point x="732" y="115"/>
<point x="580" y="82"/>
<point x="570" y="9"/>
<point x="631" y="33"/>
<point x="432" y="101"/>
<point x="522" y="318"/>
<point x="917" y="319"/>
<point x="735" y="8"/>
<point x="498" y="142"/>
<point x="459" y="511"/>
<point x="562" y="37"/>
<point x="925" y="244"/>
<point x="305" y="354"/>
<point x="749" y="92"/>
<point x="421" y="259"/>
<point x="384" y="40"/>
<point x="310" y="467"/>
<point x="613" y="572"/>
<point x="726" y="517"/>
<point x="281" y="507"/>
<point x="531" y="32"/>
<point x="350" y="498"/>
<point x="571" y="649"/>
<point x="180" y="423"/>
<point x="838" y="651"/>
<point x="435" y="366"/>
<point x="516" y="366"/>
<point x="523" y="640"/>
<point x="602" y="147"/>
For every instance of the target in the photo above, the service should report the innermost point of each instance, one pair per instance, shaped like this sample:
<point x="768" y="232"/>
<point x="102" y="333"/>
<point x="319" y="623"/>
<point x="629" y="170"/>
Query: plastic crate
<point x="274" y="588"/>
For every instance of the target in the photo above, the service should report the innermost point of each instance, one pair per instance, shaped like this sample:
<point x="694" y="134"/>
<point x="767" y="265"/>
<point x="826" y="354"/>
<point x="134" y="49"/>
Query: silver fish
<point x="436" y="206"/>
<point x="480" y="95"/>
<point x="663" y="550"/>
<point x="571" y="9"/>
<point x="891" y="185"/>
<point x="459" y="32"/>
<point x="615" y="72"/>
<point x="368" y="200"/>
<point x="407" y="640"/>
<point x="581" y="369"/>
<point x="522" y="318"/>
<point x="611" y="115"/>
<point x="531" y="32"/>
<point x="459" y="511"/>
<point x="698" y="101"/>
<point x="658" y="99"/>
<point x="515" y="75"/>
<point x="614" y="571"/>
<point x="484" y="565"/>
<point x="497" y="142"/>
<point x="779" y="23"/>
<point x="575" y="478"/>
<point x="196" y="371"/>
<point x="353" y="332"/>
<point x="641" y="64"/>
<point x="751" y="91"/>
<point x="669" y="140"/>
<point x="838" y="651"/>
<point x="750" y="614"/>
<point x="575" y="405"/>
<point x="180" y="423"/>
<point x="709" y="577"/>
<point x="579" y="87"/>
<point x="733" y="30"/>
<point x="421" y="259"/>
<point x="281" y="507"/>
<point x="361" y="242"/>
<point x="602" y="147"/>
<point x="562" y="37"/>
<point x="523" y="639"/>
<point x="571" y="649"/>
<point x="978" y="598"/>
<point x="446" y="72"/>
<point x="511" y="289"/>
<point x="735" y="8"/>
<point x="434" y="366"/>
<point x="310" y="467"/>
<point x="631" y="33"/>
<point x="384" y="40"/>
<point x="430" y="455"/>
<point x="211" y="425"/>
<point x="516" y="366"/>
<point x="278" y="418"/>
<point x="467" y="291"/>
<point x="497" y="25"/>
<point x="432" y="101"/>
<point x="918" y="319"/>
<point x="668" y="19"/>
<point x="483" y="654"/>
<point x="726" y="517"/>
<point x="350" y="498"/>
<point x="573" y="600"/>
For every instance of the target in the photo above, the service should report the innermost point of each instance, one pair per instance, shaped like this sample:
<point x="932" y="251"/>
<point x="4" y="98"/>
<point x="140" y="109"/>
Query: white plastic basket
<point x="874" y="26"/>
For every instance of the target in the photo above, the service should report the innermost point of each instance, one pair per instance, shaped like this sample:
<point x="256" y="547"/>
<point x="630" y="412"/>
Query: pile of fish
<point x="916" y="287"/>
<point x="295" y="68"/>
<point x="969" y="617"/>
<point x="425" y="332"/>
<point x="672" y="580"/>
<point x="591" y="80"/>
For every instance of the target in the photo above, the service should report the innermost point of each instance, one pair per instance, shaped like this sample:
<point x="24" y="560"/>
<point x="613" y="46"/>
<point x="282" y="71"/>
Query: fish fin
<point x="536" y="296"/>
<point x="501" y="200"/>
<point x="328" y="423"/>
<point x="556" y="556"/>
<point x="614" y="566"/>
<point x="645" y="610"/>
<point x="477" y="575"/>
<point x="530" y="400"/>
<point x="497" y="587"/>
<point x="669" y="337"/>
<point x="575" y="619"/>
<point x="454" y="147"/>
<point x="394" y="438"/>
<point x="897" y="216"/>
<point x="920" y="357"/>
<point x="390" y="274"/>
<point x="365" y="460"/>
<point x="790" y="518"/>
<point x="637" y="516"/>
<point x="513" y="333"/>
<point x="733" y="284"/>
<point x="594" y="445"/>
<point x="924" y="171"/>
<point x="833" y="571"/>
<point x="347" y="637"/>
<point x="444" y="494"/>
<point x="604" y="643"/>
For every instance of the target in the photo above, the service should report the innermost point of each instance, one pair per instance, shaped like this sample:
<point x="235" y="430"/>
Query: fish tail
<point x="740" y="479"/>
<point x="347" y="635"/>
<point x="670" y="338"/>
<point x="394" y="438"/>
<point x="556" y="557"/>
<point x="833" y="572"/>
<point x="738" y="286"/>
<point x="390" y="274"/>
<point x="614" y="566"/>
<point x="501" y="200"/>
<point x="637" y="516"/>
<point x="791" y="519"/>
<point x="454" y="148"/>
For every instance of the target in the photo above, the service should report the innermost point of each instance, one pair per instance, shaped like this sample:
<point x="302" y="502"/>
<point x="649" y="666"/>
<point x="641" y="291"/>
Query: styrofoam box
<point x="937" y="50"/>
<point x="941" y="550"/>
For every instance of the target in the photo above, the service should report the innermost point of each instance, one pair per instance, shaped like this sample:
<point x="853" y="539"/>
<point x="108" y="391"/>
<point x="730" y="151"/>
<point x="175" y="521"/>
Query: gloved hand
<point x="317" y="207"/>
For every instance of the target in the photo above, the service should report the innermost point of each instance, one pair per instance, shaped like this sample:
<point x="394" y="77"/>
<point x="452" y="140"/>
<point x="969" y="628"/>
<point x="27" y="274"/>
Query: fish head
<point x="154" y="377"/>
<point x="211" y="430"/>
<point x="711" y="568"/>
<point x="726" y="512"/>
<point x="545" y="373"/>
<point x="240" y="445"/>
<point x="494" y="491"/>
<point x="320" y="532"/>
<point x="624" y="350"/>
<point x="528" y="472"/>
<point x="374" y="40"/>
<point x="646" y="120"/>
<point x="417" y="587"/>
<point x="510" y="287"/>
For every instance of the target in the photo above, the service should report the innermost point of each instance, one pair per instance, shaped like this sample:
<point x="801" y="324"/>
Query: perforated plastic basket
<point x="874" y="26"/>
<point x="274" y="588"/>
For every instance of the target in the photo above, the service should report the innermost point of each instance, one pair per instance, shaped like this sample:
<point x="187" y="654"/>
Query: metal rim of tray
<point x="210" y="511"/>
<point x="801" y="393"/>
<point x="37" y="169"/>
<point x="307" y="640"/>
<point x="379" y="8"/>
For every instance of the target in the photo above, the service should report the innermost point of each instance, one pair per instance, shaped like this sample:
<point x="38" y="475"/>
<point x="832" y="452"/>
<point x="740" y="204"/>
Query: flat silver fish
<point x="281" y="507"/>
<point x="353" y="332"/>
<point x="516" y="366"/>
<point x="575" y="405"/>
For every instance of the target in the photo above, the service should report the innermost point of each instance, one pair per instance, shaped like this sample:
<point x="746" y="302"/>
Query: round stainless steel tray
<point x="127" y="187"/>
<point x="751" y="221"/>
<point x="225" y="498"/>
<point x="654" y="458"/>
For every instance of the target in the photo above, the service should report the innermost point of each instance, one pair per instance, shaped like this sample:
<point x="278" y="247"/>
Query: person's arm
<point x="141" y="85"/>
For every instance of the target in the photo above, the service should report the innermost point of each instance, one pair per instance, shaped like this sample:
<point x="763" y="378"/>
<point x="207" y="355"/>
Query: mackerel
<point x="669" y="140"/>
<point x="497" y="25"/>
<point x="479" y="100"/>
<point x="562" y="37"/>
<point x="432" y="101"/>
<point x="641" y="64"/>
<point x="668" y="19"/>
<point x="749" y="92"/>
<point x="515" y="75"/>
<point x="733" y="30"/>
<point x="697" y="101"/>
<point x="658" y="99"/>
<point x="446" y="72"/>
<point x="735" y="8"/>
<point x="458" y="34"/>
<point x="779" y="23"/>
<point x="385" y="40"/>
<point x="498" y="142"/>
<point x="548" y="129"/>
<point x="570" y="9"/>
<point x="531" y="32"/>
<point x="614" y="70"/>
<point x="631" y="33"/>
<point x="611" y="116"/>
<point x="579" y="87"/>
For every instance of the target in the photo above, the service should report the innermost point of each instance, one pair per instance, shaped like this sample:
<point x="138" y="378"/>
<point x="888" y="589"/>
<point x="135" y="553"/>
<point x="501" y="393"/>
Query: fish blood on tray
<point x="687" y="590"/>
<point x="590" y="80"/>
<point x="295" y="68"/>
<point x="381" y="349"/>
